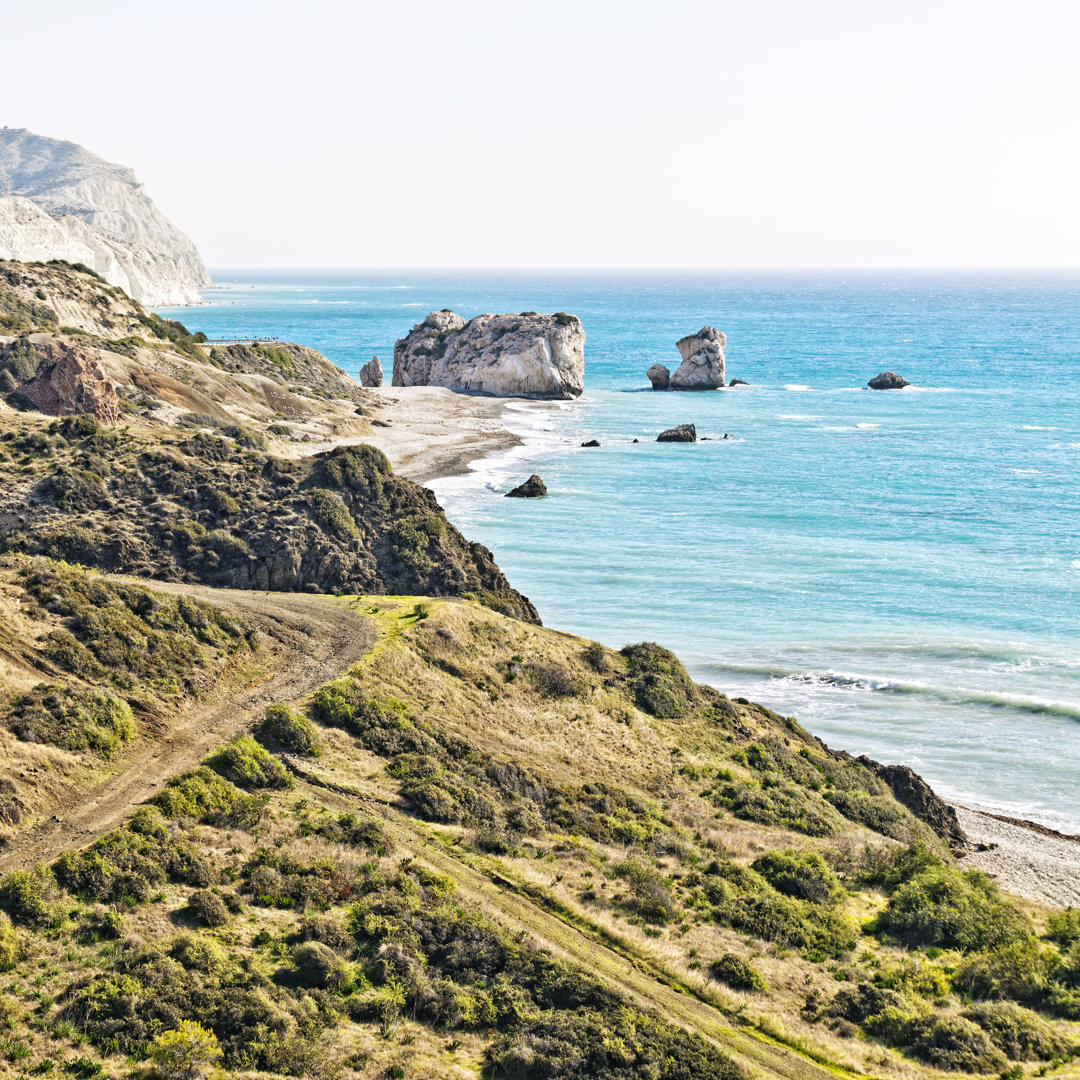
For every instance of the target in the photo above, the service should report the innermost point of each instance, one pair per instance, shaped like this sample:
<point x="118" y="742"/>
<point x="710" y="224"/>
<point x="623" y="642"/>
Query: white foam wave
<point x="795" y="386"/>
<point x="866" y="427"/>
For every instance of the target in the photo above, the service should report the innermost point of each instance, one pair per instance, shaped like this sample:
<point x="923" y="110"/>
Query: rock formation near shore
<point x="659" y="376"/>
<point x="681" y="433"/>
<point x="371" y="373"/>
<point x="60" y="201"/>
<point x="702" y="365"/>
<point x="533" y="488"/>
<point x="526" y="355"/>
<point x="887" y="380"/>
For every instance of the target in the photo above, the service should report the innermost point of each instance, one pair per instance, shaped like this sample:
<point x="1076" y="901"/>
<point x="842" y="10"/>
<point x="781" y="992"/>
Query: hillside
<point x="491" y="847"/>
<point x="60" y="201"/>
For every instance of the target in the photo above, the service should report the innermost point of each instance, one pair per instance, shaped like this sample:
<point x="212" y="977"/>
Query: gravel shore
<point x="1024" y="858"/>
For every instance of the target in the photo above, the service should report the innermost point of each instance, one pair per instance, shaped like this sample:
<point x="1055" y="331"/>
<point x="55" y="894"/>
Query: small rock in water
<point x="591" y="442"/>
<point x="533" y="488"/>
<point x="371" y="373"/>
<point x="636" y="440"/>
<point x="682" y="433"/>
<point x="738" y="382"/>
<point x="887" y="380"/>
<point x="659" y="376"/>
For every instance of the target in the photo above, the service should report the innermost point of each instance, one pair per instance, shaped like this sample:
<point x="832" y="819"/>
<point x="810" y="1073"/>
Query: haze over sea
<point x="900" y="570"/>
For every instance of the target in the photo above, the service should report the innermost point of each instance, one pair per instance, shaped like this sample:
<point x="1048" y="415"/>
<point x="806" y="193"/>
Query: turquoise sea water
<point x="899" y="570"/>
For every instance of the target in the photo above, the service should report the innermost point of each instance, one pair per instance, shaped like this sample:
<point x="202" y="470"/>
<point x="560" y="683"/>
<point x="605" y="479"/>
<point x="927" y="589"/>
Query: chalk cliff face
<point x="59" y="201"/>
<point x="528" y="355"/>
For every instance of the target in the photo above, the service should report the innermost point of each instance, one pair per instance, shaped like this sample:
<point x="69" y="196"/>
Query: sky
<point x="595" y="133"/>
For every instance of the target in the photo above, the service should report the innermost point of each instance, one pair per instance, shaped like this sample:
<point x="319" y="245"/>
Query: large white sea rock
<point x="60" y="201"/>
<point x="702" y="366"/>
<point x="527" y="355"/>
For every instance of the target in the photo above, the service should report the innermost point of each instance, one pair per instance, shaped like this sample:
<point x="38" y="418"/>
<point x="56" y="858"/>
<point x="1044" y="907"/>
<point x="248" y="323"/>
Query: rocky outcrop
<point x="527" y="355"/>
<point x="681" y="433"/>
<point x="533" y="488"/>
<point x="702" y="366"/>
<point x="887" y="380"/>
<point x="60" y="201"/>
<point x="591" y="443"/>
<point x="70" y="381"/>
<point x="371" y="373"/>
<point x="912" y="791"/>
<point x="659" y="376"/>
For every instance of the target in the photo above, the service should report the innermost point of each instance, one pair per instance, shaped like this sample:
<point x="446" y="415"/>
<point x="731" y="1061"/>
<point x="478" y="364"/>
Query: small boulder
<point x="887" y="380"/>
<point x="533" y="488"/>
<point x="371" y="373"/>
<point x="591" y="442"/>
<point x="702" y="366"/>
<point x="682" y="433"/>
<point x="659" y="376"/>
<point x="738" y="382"/>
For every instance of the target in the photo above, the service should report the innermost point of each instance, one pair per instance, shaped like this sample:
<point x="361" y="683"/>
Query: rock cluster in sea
<point x="533" y="488"/>
<point x="680" y="433"/>
<point x="887" y="380"/>
<point x="526" y="355"/>
<point x="702" y="366"/>
<point x="371" y="373"/>
<point x="60" y="201"/>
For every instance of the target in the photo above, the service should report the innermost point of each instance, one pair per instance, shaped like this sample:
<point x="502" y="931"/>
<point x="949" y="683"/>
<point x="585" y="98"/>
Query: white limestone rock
<point x="528" y="355"/>
<point x="59" y="201"/>
<point x="702" y="366"/>
<point x="371" y="374"/>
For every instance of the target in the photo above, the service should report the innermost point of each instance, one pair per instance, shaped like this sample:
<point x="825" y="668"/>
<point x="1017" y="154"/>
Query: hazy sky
<point x="589" y="133"/>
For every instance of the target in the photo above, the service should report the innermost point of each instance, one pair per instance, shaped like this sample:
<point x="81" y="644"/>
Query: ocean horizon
<point x="899" y="570"/>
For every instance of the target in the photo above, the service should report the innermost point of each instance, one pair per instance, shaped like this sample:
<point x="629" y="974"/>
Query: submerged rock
<point x="887" y="380"/>
<point x="533" y="488"/>
<point x="371" y="373"/>
<point x="659" y="376"/>
<point x="702" y="365"/>
<point x="527" y="355"/>
<point x="681" y="433"/>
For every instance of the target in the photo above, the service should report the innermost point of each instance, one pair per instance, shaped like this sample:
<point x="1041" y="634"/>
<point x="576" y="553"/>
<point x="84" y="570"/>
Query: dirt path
<point x="632" y="975"/>
<point x="314" y="640"/>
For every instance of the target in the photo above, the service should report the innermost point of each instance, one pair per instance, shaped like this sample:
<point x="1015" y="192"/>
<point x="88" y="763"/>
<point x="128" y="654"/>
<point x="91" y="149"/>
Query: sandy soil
<point x="428" y="431"/>
<point x="1024" y="858"/>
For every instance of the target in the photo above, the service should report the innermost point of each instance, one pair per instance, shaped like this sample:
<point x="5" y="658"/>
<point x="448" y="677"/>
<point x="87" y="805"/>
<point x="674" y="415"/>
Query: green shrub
<point x="651" y="892"/>
<point x="188" y="1052"/>
<point x="554" y="679"/>
<point x="208" y="908"/>
<point x="203" y="795"/>
<point x="1016" y="1031"/>
<point x="291" y="729"/>
<point x="943" y="907"/>
<point x="27" y="895"/>
<point x="247" y="764"/>
<point x="73" y="718"/>
<point x="318" y="965"/>
<point x="914" y="975"/>
<point x="595" y="655"/>
<point x="1064" y="927"/>
<point x="659" y="683"/>
<point x="332" y="514"/>
<point x="802" y="874"/>
<point x="735" y="972"/>
<point x="10" y="947"/>
<point x="781" y="803"/>
<point x="1020" y="970"/>
<point x="955" y="1044"/>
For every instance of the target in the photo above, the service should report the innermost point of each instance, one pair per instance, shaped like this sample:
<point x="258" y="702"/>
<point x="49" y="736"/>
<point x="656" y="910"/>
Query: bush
<point x="188" y="1052"/>
<point x="554" y="679"/>
<point x="943" y="907"/>
<point x="26" y="895"/>
<point x="595" y="655"/>
<point x="802" y="874"/>
<point x="72" y="718"/>
<point x="651" y="892"/>
<point x="1020" y="971"/>
<point x="318" y="965"/>
<point x="291" y="730"/>
<point x="1064" y="927"/>
<point x="10" y="948"/>
<point x="955" y="1044"/>
<point x="243" y="761"/>
<point x="1017" y="1032"/>
<point x="736" y="973"/>
<point x="658" y="681"/>
<point x="208" y="908"/>
<point x="203" y="795"/>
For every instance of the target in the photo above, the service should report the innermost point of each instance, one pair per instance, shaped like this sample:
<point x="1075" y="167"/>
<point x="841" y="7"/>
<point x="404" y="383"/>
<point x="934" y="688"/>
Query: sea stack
<point x="681" y="433"/>
<point x="371" y="373"/>
<point x="887" y="380"/>
<point x="526" y="355"/>
<point x="702" y="365"/>
<point x="659" y="376"/>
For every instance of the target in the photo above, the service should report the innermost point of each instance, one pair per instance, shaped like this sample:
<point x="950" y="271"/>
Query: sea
<point x="900" y="570"/>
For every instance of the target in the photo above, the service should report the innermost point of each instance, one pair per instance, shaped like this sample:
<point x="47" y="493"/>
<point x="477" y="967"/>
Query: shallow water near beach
<point x="900" y="570"/>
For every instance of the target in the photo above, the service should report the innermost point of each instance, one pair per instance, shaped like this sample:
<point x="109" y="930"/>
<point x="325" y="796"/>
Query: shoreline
<point x="430" y="433"/>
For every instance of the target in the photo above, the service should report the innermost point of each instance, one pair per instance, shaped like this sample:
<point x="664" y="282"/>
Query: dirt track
<point x="314" y="640"/>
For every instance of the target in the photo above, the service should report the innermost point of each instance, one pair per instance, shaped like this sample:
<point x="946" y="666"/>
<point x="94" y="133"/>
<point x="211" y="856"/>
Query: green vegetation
<point x="73" y="718"/>
<point x="291" y="730"/>
<point x="735" y="972"/>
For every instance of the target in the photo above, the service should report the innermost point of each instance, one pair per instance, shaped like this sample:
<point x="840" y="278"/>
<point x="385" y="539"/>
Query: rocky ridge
<point x="526" y="355"/>
<point x="60" y="201"/>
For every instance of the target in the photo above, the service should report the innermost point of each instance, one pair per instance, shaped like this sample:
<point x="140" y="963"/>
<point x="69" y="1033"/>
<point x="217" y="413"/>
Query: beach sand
<point x="1023" y="857"/>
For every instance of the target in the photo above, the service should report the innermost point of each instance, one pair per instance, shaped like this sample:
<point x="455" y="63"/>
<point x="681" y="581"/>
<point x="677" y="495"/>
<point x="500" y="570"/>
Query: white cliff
<point x="59" y="201"/>
<point x="527" y="355"/>
<point x="702" y="366"/>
